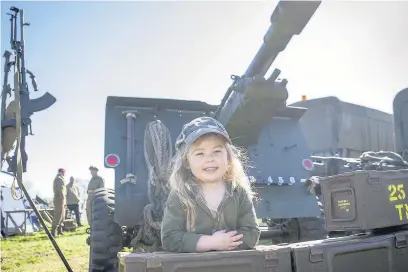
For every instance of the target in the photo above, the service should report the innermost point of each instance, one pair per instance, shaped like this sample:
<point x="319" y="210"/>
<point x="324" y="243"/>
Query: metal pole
<point x="130" y="146"/>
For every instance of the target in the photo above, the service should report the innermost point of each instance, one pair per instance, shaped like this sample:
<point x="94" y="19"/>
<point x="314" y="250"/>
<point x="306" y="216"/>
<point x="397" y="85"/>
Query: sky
<point x="82" y="52"/>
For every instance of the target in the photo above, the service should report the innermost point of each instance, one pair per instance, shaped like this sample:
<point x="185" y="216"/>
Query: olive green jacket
<point x="73" y="196"/>
<point x="236" y="212"/>
<point x="95" y="183"/>
<point x="59" y="188"/>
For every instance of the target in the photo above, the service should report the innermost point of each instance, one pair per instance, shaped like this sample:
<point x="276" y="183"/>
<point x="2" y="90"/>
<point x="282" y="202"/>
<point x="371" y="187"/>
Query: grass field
<point x="35" y="253"/>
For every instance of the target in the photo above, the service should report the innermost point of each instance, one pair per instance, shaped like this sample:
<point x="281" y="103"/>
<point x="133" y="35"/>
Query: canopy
<point x="331" y="125"/>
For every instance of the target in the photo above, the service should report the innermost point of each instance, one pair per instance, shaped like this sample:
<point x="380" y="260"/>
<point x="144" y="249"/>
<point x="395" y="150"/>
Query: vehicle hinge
<point x="271" y="259"/>
<point x="130" y="178"/>
<point x="401" y="240"/>
<point x="154" y="269"/>
<point x="316" y="254"/>
<point x="374" y="180"/>
<point x="154" y="265"/>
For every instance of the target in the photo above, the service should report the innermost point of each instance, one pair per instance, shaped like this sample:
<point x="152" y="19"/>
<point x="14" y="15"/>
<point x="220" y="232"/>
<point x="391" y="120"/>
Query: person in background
<point x="95" y="183"/>
<point x="60" y="192"/>
<point x="73" y="199"/>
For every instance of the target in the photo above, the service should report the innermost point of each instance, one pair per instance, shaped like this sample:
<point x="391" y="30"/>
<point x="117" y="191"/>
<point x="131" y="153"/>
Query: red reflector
<point x="307" y="164"/>
<point x="112" y="160"/>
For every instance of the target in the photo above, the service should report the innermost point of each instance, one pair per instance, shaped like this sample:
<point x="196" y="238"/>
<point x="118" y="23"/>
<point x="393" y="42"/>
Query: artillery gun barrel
<point x="288" y="19"/>
<point x="11" y="28"/>
<point x="268" y="232"/>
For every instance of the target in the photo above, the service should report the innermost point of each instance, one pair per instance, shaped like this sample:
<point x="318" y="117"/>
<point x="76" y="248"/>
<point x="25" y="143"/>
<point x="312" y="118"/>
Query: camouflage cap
<point x="197" y="128"/>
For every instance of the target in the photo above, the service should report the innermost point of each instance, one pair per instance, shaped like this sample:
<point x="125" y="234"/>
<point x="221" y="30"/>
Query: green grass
<point x="36" y="253"/>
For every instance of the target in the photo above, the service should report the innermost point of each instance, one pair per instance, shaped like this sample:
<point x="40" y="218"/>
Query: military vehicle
<point x="352" y="137"/>
<point x="401" y="123"/>
<point x="282" y="171"/>
<point x="139" y="141"/>
<point x="141" y="132"/>
<point x="346" y="138"/>
<point x="334" y="127"/>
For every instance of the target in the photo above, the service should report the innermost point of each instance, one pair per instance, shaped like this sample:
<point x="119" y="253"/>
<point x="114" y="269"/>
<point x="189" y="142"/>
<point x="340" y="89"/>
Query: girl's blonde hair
<point x="182" y="180"/>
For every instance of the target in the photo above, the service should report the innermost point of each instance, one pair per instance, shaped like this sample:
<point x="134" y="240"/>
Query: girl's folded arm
<point x="248" y="223"/>
<point x="174" y="236"/>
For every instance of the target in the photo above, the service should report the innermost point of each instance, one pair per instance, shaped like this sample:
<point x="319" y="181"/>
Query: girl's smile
<point x="208" y="158"/>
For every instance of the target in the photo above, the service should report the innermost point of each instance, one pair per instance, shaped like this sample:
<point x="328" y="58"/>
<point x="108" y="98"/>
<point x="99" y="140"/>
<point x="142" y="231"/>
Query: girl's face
<point x="208" y="158"/>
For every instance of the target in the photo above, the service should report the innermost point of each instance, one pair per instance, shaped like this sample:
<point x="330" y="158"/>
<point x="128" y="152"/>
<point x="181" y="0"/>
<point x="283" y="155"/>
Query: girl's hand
<point x="226" y="240"/>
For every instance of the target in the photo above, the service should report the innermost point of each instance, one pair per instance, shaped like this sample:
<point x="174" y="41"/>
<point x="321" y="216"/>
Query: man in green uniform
<point x="59" y="202"/>
<point x="95" y="183"/>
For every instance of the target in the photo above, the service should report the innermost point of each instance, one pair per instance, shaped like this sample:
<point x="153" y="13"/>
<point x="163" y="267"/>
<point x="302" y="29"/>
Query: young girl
<point x="210" y="204"/>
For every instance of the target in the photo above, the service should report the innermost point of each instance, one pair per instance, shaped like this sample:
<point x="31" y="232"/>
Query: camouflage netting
<point x="378" y="160"/>
<point x="158" y="153"/>
<point x="370" y="160"/>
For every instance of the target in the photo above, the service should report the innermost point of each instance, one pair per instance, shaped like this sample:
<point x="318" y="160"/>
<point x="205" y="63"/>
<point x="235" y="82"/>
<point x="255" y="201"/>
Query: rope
<point x="14" y="191"/>
<point x="376" y="160"/>
<point x="405" y="155"/>
<point x="158" y="154"/>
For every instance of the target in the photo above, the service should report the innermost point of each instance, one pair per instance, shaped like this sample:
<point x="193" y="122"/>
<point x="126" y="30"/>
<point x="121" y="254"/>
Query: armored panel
<point x="279" y="171"/>
<point x="364" y="200"/>
<point x="278" y="159"/>
<point x="385" y="253"/>
<point x="331" y="125"/>
<point x="267" y="259"/>
<point x="244" y="115"/>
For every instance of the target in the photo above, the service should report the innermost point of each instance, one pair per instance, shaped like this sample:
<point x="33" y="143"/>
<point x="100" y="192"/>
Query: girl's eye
<point x="199" y="154"/>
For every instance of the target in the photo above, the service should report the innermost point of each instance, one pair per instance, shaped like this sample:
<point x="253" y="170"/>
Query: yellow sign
<point x="344" y="205"/>
<point x="402" y="211"/>
<point x="397" y="193"/>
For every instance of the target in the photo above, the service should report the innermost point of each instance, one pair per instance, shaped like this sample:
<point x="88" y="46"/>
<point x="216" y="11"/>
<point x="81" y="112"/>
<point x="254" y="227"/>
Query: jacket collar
<point x="194" y="189"/>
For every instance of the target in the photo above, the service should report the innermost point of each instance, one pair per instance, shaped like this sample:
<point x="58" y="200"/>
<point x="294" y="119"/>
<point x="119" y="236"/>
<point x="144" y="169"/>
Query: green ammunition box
<point x="365" y="200"/>
<point x="262" y="259"/>
<point x="380" y="253"/>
